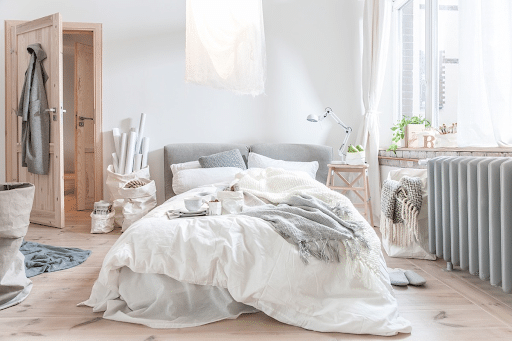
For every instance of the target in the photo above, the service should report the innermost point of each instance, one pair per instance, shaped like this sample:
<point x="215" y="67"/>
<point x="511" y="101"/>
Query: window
<point x="426" y="59"/>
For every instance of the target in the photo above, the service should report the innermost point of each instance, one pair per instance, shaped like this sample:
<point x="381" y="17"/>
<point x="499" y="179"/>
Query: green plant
<point x="399" y="129"/>
<point x="356" y="149"/>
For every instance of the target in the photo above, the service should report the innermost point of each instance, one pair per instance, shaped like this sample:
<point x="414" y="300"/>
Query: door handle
<point x="81" y="118"/>
<point x="54" y="110"/>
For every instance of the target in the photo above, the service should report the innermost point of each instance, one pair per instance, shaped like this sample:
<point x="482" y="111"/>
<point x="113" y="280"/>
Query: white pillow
<point x="188" y="179"/>
<point x="260" y="161"/>
<point x="175" y="168"/>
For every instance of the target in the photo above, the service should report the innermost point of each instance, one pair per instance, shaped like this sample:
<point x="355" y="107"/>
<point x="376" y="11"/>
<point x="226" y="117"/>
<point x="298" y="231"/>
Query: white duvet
<point x="191" y="271"/>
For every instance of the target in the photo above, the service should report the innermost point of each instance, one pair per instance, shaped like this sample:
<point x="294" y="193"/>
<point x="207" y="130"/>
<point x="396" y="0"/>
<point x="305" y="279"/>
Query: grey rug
<point x="41" y="258"/>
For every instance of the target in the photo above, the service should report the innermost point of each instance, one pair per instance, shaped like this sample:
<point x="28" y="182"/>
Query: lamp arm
<point x="328" y="111"/>
<point x="348" y="131"/>
<point x="341" y="151"/>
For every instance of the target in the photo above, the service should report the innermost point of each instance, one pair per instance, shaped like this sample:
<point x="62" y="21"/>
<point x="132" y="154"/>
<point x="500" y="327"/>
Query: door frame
<point x="95" y="30"/>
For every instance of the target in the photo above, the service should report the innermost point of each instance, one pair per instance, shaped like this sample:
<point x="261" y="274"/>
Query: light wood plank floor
<point x="452" y="306"/>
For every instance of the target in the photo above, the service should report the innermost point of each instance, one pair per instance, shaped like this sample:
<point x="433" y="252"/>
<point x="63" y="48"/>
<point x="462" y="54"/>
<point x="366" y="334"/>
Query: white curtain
<point x="376" y="32"/>
<point x="225" y="45"/>
<point x="485" y="73"/>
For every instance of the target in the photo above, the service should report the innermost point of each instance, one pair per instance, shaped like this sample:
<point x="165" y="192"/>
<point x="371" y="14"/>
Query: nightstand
<point x="362" y="192"/>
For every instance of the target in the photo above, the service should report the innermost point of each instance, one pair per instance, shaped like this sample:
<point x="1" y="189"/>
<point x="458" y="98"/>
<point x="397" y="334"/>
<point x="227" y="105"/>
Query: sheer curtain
<point x="225" y="45"/>
<point x="376" y="31"/>
<point x="485" y="79"/>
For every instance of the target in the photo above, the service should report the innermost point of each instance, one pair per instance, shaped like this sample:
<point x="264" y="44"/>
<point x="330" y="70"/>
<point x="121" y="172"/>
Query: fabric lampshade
<point x="225" y="45"/>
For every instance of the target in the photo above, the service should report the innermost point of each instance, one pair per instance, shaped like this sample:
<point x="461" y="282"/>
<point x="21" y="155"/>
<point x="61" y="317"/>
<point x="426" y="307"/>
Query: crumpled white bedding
<point x="230" y="265"/>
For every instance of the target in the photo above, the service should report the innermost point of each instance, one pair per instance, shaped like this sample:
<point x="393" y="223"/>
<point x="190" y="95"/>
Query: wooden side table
<point x="363" y="191"/>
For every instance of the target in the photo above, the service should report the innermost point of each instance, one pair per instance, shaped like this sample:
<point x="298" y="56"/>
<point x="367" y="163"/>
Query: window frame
<point x="431" y="60"/>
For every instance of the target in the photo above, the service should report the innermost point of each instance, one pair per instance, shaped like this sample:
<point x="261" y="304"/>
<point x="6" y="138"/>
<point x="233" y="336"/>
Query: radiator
<point x="470" y="215"/>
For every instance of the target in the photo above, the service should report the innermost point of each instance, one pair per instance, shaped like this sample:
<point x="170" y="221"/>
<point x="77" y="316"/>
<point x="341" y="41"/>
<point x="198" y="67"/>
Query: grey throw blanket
<point x="315" y="227"/>
<point x="400" y="206"/>
<point x="41" y="258"/>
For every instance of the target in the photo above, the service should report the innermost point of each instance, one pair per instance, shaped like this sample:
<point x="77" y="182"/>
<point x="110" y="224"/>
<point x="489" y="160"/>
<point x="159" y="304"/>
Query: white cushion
<point x="260" y="161"/>
<point x="175" y="168"/>
<point x="188" y="179"/>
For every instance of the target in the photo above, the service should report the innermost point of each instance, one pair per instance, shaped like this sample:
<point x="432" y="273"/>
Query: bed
<point x="174" y="273"/>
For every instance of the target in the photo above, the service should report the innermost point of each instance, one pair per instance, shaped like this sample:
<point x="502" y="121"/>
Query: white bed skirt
<point x="159" y="301"/>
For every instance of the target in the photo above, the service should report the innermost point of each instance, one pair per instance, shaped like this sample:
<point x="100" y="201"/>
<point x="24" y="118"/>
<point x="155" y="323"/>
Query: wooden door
<point x="84" y="133"/>
<point x="48" y="208"/>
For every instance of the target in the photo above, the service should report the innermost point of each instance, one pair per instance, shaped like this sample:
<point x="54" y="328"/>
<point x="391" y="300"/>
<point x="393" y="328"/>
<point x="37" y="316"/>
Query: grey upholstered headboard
<point x="184" y="152"/>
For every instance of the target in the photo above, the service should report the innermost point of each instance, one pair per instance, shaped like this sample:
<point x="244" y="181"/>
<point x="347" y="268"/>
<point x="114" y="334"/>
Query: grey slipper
<point x="397" y="277"/>
<point x="414" y="278"/>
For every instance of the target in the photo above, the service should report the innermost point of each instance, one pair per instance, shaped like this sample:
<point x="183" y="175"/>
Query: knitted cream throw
<point x="400" y="206"/>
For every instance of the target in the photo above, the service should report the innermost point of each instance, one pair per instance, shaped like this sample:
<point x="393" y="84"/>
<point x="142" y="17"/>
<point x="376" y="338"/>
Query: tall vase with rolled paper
<point x="128" y="179"/>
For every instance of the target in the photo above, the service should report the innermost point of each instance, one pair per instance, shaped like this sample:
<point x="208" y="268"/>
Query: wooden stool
<point x="365" y="189"/>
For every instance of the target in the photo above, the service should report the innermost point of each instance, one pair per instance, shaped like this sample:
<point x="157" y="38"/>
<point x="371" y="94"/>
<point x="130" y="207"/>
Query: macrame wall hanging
<point x="225" y="45"/>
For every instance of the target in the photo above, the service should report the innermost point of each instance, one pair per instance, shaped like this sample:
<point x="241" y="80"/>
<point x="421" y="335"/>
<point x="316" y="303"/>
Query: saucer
<point x="186" y="211"/>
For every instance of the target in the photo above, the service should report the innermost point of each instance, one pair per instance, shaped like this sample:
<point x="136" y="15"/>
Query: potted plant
<point x="399" y="129"/>
<point x="355" y="155"/>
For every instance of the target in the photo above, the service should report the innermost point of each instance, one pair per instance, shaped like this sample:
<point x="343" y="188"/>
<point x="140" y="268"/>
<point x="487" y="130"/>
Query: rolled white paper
<point x="145" y="151"/>
<point x="137" y="159"/>
<point x="130" y="149"/>
<point x="115" y="163"/>
<point x="117" y="139"/>
<point x="134" y="130"/>
<point x="122" y="155"/>
<point x="140" y="132"/>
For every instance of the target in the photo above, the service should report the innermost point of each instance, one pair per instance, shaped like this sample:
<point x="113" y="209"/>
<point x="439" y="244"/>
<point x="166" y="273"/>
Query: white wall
<point x="313" y="56"/>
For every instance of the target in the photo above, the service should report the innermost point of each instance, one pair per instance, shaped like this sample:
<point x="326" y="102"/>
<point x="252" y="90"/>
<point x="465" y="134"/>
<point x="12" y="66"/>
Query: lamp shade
<point x="225" y="45"/>
<point x="313" y="118"/>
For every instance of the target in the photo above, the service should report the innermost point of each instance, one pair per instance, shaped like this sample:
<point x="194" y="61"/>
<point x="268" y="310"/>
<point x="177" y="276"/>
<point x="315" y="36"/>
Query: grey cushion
<point x="230" y="158"/>
<point x="184" y="152"/>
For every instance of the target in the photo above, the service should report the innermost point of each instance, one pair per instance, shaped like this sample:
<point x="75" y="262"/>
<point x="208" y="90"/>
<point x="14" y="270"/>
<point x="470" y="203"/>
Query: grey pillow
<point x="230" y="158"/>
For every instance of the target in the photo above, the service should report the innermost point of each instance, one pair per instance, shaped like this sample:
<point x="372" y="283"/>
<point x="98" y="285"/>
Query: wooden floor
<point x="452" y="306"/>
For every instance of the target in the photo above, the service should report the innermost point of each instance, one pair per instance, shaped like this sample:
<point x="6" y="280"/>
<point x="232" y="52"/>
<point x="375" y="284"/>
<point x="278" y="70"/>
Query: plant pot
<point x="355" y="158"/>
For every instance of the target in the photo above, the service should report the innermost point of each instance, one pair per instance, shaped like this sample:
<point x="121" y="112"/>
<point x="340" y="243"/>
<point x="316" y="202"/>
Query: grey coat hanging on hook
<point x="35" y="134"/>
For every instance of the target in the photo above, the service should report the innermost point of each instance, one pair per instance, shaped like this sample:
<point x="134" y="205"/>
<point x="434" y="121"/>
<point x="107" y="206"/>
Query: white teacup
<point x="193" y="204"/>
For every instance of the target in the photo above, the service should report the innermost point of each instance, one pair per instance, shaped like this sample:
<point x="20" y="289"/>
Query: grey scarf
<point x="400" y="206"/>
<point x="314" y="227"/>
<point x="396" y="194"/>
